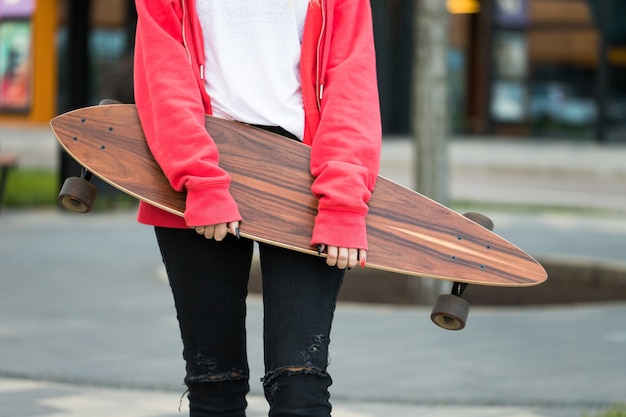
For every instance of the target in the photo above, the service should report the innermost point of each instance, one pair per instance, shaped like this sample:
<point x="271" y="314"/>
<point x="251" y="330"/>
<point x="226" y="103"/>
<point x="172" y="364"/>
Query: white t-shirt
<point x="252" y="53"/>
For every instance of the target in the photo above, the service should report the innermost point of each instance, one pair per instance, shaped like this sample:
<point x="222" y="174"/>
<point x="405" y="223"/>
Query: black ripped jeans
<point x="209" y="282"/>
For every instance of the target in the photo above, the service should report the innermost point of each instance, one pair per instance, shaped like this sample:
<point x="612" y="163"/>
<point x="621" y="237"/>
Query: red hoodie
<point x="342" y="116"/>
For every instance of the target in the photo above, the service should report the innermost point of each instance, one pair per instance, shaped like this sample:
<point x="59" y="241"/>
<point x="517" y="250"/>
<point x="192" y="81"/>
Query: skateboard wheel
<point x="108" y="101"/>
<point x="450" y="312"/>
<point x="78" y="195"/>
<point x="481" y="219"/>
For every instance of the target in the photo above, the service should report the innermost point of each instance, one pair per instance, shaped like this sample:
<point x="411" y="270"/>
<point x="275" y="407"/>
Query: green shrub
<point x="31" y="188"/>
<point x="618" y="410"/>
<point x="40" y="188"/>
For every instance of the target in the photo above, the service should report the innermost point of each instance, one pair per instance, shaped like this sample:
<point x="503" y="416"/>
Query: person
<point x="302" y="68"/>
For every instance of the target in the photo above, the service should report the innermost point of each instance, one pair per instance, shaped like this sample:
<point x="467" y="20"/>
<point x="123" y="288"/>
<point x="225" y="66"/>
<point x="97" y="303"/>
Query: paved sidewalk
<point x="47" y="399"/>
<point x="81" y="334"/>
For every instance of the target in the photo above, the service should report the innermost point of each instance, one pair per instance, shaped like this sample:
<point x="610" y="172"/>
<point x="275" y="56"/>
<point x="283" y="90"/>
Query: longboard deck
<point x="408" y="233"/>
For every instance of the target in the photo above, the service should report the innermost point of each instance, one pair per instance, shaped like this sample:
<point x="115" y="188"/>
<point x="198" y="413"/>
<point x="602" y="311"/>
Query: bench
<point x="7" y="161"/>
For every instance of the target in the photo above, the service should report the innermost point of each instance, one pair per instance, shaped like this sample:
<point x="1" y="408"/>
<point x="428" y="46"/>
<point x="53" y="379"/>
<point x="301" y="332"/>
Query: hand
<point x="218" y="231"/>
<point x="344" y="258"/>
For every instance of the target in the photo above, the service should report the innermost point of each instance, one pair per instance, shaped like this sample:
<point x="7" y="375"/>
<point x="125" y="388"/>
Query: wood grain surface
<point x="407" y="232"/>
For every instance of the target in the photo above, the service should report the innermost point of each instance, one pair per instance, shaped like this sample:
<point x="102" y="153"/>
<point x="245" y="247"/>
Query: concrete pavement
<point x="87" y="325"/>
<point x="87" y="328"/>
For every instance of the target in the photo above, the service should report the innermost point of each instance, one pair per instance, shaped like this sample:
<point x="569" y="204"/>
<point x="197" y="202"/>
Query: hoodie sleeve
<point x="345" y="154"/>
<point x="172" y="113"/>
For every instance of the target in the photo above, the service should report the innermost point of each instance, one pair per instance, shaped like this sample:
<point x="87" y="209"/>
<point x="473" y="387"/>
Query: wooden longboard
<point x="407" y="232"/>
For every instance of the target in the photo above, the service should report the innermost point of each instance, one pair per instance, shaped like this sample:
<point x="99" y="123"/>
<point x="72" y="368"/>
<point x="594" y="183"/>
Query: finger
<point x="234" y="228"/>
<point x="199" y="230"/>
<point x="220" y="232"/>
<point x="353" y="258"/>
<point x="343" y="258"/>
<point x="362" y="257"/>
<point x="331" y="255"/>
<point x="209" y="231"/>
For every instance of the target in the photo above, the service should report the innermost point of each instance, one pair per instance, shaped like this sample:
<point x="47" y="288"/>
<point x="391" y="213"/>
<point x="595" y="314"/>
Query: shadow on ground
<point x="568" y="282"/>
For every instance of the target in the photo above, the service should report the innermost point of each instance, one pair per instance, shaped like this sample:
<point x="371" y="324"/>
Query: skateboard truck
<point x="78" y="193"/>
<point x="450" y="310"/>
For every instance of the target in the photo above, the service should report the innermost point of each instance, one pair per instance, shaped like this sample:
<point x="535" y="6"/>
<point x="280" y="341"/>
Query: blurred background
<point x="517" y="67"/>
<point x="524" y="70"/>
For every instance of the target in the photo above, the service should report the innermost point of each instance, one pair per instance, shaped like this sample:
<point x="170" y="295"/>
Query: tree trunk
<point x="429" y="118"/>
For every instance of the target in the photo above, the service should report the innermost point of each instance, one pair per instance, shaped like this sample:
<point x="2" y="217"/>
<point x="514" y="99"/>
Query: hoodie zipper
<point x="318" y="82"/>
<point x="185" y="42"/>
